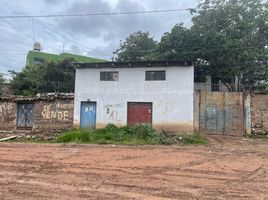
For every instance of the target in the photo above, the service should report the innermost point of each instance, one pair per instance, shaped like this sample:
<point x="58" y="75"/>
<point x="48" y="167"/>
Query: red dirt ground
<point x="228" y="168"/>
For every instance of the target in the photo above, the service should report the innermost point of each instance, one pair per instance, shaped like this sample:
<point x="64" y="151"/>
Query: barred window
<point x="155" y="75"/>
<point x="109" y="76"/>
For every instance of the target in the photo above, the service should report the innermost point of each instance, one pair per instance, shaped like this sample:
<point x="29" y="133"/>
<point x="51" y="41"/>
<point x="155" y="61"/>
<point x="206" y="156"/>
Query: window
<point x="109" y="76"/>
<point x="38" y="60"/>
<point x="155" y="75"/>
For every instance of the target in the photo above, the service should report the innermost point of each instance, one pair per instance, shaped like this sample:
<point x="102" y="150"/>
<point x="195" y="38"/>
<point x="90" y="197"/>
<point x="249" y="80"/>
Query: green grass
<point x="195" y="138"/>
<point x="257" y="136"/>
<point x="128" y="135"/>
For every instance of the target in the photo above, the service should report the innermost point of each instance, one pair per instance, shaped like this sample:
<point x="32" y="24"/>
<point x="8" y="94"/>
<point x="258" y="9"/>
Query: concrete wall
<point x="172" y="99"/>
<point x="259" y="113"/>
<point x="50" y="116"/>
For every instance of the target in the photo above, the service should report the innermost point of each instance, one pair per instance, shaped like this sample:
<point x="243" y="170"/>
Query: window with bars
<point x="155" y="75"/>
<point x="109" y="76"/>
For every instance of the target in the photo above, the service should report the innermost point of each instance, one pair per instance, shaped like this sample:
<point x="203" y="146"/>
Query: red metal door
<point x="139" y="113"/>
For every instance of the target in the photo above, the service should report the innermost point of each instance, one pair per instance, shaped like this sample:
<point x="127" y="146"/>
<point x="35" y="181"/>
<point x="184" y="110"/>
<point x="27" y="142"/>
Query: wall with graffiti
<point x="41" y="115"/>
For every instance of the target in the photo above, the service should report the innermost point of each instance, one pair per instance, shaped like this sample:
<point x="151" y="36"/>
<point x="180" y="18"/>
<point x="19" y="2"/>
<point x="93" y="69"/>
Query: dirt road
<point x="226" y="169"/>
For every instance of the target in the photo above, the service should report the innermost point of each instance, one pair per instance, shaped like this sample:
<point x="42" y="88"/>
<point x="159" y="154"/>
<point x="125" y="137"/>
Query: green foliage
<point x="138" y="134"/>
<point x="232" y="37"/>
<point x="2" y="79"/>
<point x="138" y="46"/>
<point x="194" y="139"/>
<point x="227" y="39"/>
<point x="49" y="77"/>
<point x="178" y="44"/>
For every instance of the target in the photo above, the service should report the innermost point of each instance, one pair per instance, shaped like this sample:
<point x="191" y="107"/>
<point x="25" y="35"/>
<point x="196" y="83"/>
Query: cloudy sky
<point x="95" y="36"/>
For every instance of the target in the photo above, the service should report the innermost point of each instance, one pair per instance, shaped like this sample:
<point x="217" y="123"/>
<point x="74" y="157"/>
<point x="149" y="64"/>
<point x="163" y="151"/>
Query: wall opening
<point x="139" y="113"/>
<point x="25" y="115"/>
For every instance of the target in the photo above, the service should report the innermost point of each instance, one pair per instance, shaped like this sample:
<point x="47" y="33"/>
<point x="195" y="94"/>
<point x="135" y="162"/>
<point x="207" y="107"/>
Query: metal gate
<point x="139" y="113"/>
<point x="25" y="116"/>
<point x="221" y="113"/>
<point x="88" y="115"/>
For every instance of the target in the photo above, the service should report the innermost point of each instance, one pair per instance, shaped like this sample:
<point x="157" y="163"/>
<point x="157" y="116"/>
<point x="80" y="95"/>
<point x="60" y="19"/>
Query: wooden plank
<point x="8" y="138"/>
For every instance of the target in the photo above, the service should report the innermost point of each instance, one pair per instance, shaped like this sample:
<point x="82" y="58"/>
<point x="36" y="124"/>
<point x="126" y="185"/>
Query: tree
<point x="2" y="82"/>
<point x="57" y="77"/>
<point x="2" y="79"/>
<point x="179" y="44"/>
<point x="49" y="77"/>
<point x="233" y="35"/>
<point x="137" y="46"/>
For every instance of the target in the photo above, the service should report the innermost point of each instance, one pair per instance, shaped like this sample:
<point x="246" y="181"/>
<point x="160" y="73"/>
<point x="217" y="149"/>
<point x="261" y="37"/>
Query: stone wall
<point x="51" y="115"/>
<point x="259" y="113"/>
<point x="8" y="115"/>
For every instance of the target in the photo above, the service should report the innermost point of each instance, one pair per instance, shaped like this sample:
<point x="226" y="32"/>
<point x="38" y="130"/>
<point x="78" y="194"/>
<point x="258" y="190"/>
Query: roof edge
<point x="178" y="63"/>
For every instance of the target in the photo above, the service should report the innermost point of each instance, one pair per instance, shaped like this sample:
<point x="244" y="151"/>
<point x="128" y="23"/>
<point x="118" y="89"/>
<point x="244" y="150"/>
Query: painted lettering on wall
<point x="58" y="112"/>
<point x="112" y="112"/>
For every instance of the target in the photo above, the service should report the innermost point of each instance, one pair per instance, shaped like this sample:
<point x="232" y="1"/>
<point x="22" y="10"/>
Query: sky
<point x="94" y="36"/>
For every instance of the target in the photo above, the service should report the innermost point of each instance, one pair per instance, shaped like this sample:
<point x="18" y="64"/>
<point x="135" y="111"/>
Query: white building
<point x="160" y="93"/>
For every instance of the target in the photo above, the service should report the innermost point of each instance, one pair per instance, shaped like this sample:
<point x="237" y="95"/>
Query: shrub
<point x="137" y="134"/>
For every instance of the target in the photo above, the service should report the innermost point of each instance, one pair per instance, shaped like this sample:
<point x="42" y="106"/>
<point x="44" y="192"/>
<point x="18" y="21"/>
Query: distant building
<point x="36" y="56"/>
<point x="158" y="93"/>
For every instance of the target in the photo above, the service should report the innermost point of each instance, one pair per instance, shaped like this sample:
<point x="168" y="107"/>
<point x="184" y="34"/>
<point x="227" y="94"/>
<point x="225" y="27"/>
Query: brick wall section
<point x="8" y="115"/>
<point x="259" y="113"/>
<point x="53" y="116"/>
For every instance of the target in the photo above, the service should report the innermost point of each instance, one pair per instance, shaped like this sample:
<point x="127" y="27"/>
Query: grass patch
<point x="257" y="136"/>
<point x="128" y="135"/>
<point x="195" y="138"/>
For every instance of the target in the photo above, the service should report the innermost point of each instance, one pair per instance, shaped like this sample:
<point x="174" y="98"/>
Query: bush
<point x="138" y="134"/>
<point x="194" y="139"/>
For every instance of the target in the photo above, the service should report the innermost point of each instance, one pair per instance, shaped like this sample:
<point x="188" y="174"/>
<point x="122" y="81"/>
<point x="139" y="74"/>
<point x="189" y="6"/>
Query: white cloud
<point x="98" y="36"/>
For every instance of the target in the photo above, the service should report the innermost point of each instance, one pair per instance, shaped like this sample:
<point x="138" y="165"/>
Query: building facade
<point x="39" y="115"/>
<point x="157" y="93"/>
<point x="36" y="57"/>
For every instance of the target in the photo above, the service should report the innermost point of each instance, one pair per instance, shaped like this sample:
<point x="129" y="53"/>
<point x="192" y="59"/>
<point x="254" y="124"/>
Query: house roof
<point x="185" y="63"/>
<point x="38" y="97"/>
<point x="54" y="57"/>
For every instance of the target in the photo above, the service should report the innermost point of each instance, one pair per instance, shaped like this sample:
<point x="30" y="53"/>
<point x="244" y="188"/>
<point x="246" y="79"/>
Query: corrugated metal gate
<point x="25" y="116"/>
<point x="221" y="113"/>
<point x="139" y="113"/>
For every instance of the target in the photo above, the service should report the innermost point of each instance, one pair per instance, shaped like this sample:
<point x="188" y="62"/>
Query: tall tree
<point x="49" y="77"/>
<point x="234" y="34"/>
<point x="179" y="44"/>
<point x="2" y="79"/>
<point x="137" y="46"/>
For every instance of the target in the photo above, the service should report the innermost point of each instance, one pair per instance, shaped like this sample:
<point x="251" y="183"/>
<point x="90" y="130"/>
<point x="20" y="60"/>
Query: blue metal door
<point x="88" y="115"/>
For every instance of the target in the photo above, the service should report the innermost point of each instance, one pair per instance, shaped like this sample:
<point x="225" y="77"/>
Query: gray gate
<point x="25" y="115"/>
<point x="221" y="113"/>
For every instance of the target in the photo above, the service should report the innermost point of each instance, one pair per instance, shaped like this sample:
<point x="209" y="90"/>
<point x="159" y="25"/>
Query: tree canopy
<point x="138" y="46"/>
<point x="2" y="79"/>
<point x="228" y="37"/>
<point x="49" y="77"/>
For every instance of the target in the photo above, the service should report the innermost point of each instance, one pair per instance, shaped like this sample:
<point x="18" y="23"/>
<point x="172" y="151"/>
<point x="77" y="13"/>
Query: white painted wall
<point x="172" y="99"/>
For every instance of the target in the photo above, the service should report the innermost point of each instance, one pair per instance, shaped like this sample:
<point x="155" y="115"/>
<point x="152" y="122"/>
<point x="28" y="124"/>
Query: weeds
<point x="129" y="135"/>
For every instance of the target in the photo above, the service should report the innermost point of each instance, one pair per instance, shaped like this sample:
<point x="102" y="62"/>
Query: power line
<point x="95" y="14"/>
<point x="64" y="36"/>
